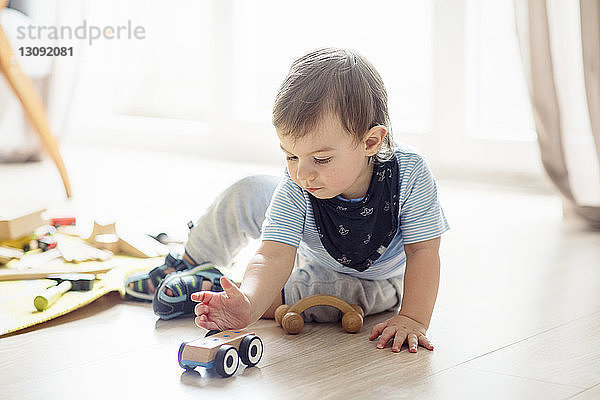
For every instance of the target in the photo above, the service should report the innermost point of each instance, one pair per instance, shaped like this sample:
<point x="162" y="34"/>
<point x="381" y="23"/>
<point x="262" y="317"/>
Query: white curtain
<point x="560" y="46"/>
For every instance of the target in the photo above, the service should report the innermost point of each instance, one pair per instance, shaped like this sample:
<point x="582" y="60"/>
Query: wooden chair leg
<point x="32" y="105"/>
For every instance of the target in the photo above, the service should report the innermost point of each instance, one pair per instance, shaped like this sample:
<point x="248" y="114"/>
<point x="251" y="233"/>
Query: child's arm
<point x="421" y="281"/>
<point x="236" y="308"/>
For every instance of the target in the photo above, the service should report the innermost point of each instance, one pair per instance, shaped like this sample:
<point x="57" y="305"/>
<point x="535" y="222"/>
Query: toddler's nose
<point x="305" y="173"/>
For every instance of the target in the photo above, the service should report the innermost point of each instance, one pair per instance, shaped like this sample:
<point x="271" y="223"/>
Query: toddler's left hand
<point x="401" y="328"/>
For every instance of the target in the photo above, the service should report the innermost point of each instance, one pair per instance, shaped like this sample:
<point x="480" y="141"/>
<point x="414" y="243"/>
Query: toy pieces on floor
<point x="291" y="321"/>
<point x="141" y="246"/>
<point x="70" y="249"/>
<point x="9" y="253"/>
<point x="36" y="259"/>
<point x="66" y="282"/>
<point x="17" y="225"/>
<point x="222" y="351"/>
<point x="46" y="243"/>
<point x="106" y="237"/>
<point x="41" y="238"/>
<point x="65" y="225"/>
<point x="161" y="238"/>
<point x="75" y="250"/>
<point x="62" y="221"/>
<point x="22" y="243"/>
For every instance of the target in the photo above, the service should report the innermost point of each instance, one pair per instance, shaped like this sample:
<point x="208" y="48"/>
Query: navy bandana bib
<point x="357" y="233"/>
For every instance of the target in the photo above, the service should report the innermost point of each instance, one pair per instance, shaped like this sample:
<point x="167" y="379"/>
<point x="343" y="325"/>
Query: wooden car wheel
<point x="358" y="309"/>
<point x="227" y="361"/>
<point x="280" y="312"/>
<point x="352" y="321"/>
<point x="292" y="322"/>
<point x="251" y="350"/>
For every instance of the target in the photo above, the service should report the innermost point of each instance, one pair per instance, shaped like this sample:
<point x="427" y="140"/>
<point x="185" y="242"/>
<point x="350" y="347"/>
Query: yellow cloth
<point x="16" y="297"/>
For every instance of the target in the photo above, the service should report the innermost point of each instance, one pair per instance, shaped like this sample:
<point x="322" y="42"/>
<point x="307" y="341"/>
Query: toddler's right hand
<point x="229" y="309"/>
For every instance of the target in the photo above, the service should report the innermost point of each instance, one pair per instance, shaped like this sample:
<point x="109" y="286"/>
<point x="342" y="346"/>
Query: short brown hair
<point x="333" y="80"/>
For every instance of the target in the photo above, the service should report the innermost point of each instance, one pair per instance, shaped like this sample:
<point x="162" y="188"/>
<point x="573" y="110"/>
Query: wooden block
<point x="105" y="236"/>
<point x="8" y="253"/>
<point x="102" y="229"/>
<point x="17" y="225"/>
<point x="140" y="245"/>
<point x="107" y="241"/>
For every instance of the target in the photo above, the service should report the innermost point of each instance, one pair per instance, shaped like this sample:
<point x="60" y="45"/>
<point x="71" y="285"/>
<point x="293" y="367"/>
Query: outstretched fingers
<point x="201" y="309"/>
<point x="402" y="329"/>
<point x="230" y="288"/>
<point x="202" y="321"/>
<point x="413" y="342"/>
<point x="376" y="331"/>
<point x="387" y="334"/>
<point x="203" y="297"/>
<point x="423" y="341"/>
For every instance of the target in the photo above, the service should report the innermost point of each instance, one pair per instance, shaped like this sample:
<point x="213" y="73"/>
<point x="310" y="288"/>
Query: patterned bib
<point x="357" y="233"/>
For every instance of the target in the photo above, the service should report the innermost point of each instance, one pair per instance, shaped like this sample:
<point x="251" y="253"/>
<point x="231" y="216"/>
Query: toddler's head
<point x="332" y="81"/>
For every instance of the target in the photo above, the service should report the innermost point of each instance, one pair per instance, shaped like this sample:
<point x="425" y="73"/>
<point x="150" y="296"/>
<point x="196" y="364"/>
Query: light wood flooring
<point x="517" y="316"/>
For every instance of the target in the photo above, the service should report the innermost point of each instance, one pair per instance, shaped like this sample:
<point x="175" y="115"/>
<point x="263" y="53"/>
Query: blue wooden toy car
<point x="222" y="350"/>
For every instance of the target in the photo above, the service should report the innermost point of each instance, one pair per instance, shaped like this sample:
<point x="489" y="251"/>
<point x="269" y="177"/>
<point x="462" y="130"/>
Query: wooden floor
<point x="517" y="317"/>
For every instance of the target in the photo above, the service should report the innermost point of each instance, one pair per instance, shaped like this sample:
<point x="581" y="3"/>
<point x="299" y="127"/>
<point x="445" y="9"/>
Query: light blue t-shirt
<point x="289" y="219"/>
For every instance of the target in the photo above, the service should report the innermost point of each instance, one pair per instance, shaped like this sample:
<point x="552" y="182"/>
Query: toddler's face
<point x="327" y="162"/>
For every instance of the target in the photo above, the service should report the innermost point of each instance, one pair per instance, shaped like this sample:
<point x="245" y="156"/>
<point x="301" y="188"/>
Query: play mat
<point x="16" y="296"/>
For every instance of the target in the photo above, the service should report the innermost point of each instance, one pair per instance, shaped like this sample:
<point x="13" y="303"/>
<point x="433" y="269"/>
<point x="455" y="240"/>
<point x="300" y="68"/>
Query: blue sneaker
<point x="137" y="285"/>
<point x="183" y="284"/>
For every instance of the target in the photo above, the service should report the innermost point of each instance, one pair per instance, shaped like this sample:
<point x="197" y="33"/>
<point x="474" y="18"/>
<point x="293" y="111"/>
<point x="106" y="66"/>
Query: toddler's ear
<point x="374" y="138"/>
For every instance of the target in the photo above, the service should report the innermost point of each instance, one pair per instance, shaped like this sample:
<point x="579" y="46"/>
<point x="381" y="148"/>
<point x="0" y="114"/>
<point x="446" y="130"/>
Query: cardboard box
<point x="17" y="225"/>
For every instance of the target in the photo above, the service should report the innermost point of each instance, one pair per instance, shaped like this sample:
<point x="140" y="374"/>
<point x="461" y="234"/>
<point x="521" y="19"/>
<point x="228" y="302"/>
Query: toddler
<point x="354" y="216"/>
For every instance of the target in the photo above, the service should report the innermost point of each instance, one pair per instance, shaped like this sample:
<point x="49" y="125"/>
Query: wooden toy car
<point x="292" y="322"/>
<point x="222" y="350"/>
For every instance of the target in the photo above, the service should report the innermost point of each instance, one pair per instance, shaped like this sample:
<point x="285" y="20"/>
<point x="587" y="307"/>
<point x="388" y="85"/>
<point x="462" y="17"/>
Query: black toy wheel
<point x="180" y="353"/>
<point x="251" y="350"/>
<point x="227" y="361"/>
<point x="212" y="332"/>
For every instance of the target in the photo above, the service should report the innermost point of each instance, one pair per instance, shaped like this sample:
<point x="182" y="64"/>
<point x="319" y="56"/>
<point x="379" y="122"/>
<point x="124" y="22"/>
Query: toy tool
<point x="222" y="350"/>
<point x="292" y="322"/>
<point x="66" y="282"/>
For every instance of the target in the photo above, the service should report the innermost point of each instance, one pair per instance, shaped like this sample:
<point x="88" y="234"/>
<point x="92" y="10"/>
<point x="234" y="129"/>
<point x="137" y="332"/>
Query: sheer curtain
<point x="560" y="46"/>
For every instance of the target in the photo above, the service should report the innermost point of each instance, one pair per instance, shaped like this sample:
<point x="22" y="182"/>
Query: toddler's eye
<point x="323" y="160"/>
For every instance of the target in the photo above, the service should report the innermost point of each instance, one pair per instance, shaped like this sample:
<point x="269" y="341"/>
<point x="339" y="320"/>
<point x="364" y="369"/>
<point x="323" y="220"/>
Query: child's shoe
<point x="182" y="285"/>
<point x="137" y="286"/>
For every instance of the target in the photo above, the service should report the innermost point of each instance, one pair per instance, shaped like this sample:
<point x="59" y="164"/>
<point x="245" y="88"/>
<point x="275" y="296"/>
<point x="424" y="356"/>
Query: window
<point x="207" y="73"/>
<point x="498" y="103"/>
<point x="269" y="35"/>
